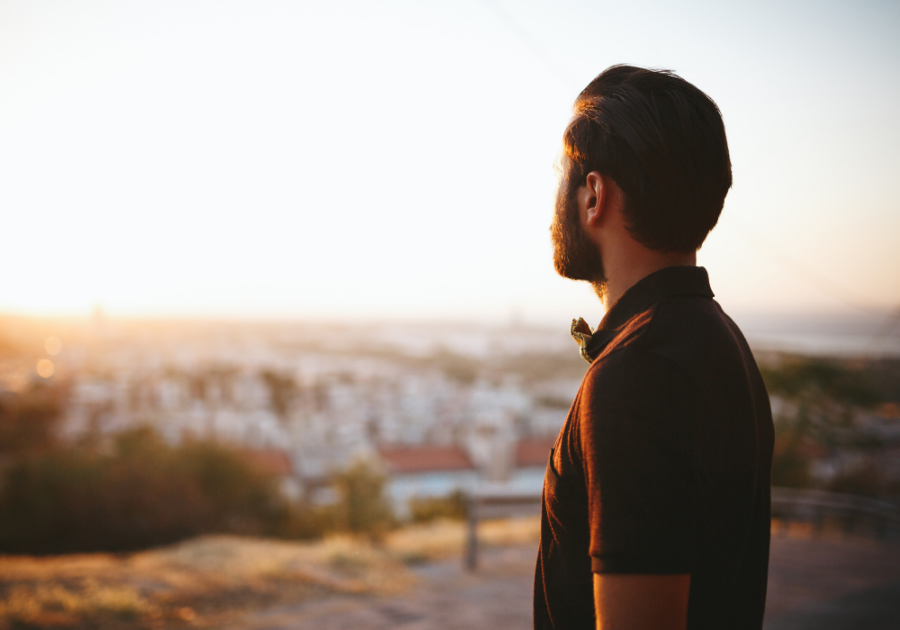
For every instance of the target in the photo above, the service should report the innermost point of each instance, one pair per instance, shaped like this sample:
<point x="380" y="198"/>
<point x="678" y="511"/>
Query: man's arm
<point x="636" y="423"/>
<point x="641" y="602"/>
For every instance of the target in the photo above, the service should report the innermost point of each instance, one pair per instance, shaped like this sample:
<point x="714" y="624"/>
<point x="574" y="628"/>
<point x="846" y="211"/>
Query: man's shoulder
<point x="671" y="319"/>
<point x="632" y="391"/>
<point x="688" y="319"/>
<point x="671" y="339"/>
<point x="632" y="372"/>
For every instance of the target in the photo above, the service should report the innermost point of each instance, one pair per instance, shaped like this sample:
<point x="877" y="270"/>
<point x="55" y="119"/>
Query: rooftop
<point x="533" y="452"/>
<point x="427" y="458"/>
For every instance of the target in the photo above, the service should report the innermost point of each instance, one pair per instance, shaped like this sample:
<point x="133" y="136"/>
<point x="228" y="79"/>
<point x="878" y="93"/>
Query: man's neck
<point x="623" y="274"/>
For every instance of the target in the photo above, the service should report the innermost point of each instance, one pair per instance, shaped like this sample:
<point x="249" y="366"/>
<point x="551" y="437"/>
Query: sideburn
<point x="575" y="256"/>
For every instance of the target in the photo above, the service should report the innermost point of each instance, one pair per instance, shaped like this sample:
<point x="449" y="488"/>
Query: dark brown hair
<point x="663" y="142"/>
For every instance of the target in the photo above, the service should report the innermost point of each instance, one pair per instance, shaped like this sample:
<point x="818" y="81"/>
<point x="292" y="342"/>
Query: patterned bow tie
<point x="581" y="332"/>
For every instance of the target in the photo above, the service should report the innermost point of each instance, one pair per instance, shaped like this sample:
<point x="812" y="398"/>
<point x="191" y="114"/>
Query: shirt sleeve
<point x="636" y="419"/>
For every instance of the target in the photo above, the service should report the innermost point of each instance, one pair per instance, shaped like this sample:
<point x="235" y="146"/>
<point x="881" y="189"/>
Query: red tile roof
<point x="270" y="461"/>
<point x="424" y="458"/>
<point x="533" y="452"/>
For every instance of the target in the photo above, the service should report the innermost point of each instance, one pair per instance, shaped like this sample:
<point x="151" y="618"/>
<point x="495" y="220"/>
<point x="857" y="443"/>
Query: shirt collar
<point x="668" y="282"/>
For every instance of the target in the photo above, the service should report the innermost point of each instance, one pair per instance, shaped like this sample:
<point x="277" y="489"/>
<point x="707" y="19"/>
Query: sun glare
<point x="45" y="368"/>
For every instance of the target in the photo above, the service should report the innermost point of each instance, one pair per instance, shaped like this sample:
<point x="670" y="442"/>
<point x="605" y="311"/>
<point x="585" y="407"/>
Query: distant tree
<point x="28" y="420"/>
<point x="821" y="379"/>
<point x="866" y="479"/>
<point x="456" y="367"/>
<point x="282" y="390"/>
<point x="363" y="507"/>
<point x="820" y="398"/>
<point x="791" y="465"/>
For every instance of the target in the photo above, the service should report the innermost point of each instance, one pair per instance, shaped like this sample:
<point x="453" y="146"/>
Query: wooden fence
<point x="817" y="506"/>
<point x="788" y="504"/>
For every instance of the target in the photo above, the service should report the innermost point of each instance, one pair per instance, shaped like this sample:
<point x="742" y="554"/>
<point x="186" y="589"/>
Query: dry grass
<point x="445" y="539"/>
<point x="206" y="581"/>
<point x="198" y="581"/>
<point x="57" y="604"/>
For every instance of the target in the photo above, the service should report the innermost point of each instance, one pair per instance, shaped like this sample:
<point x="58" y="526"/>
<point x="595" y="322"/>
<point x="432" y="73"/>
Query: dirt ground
<point x="414" y="580"/>
<point x="815" y="584"/>
<point x="213" y="580"/>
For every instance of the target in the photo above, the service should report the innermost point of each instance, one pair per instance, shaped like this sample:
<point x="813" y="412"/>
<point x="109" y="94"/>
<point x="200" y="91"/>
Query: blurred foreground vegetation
<point x="138" y="493"/>
<point x="133" y="490"/>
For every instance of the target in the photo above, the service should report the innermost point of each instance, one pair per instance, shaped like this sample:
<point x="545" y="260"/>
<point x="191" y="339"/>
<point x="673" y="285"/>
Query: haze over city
<point x="383" y="160"/>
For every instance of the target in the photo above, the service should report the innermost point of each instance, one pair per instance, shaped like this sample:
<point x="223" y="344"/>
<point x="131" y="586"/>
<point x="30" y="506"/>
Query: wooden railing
<point x="788" y="504"/>
<point x="815" y="506"/>
<point x="489" y="503"/>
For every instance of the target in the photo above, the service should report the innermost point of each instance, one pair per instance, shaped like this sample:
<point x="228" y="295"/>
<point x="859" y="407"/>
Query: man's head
<point x="660" y="143"/>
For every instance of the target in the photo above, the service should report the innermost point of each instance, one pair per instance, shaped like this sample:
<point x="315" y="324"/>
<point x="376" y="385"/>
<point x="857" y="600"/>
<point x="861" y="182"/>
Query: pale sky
<point x="378" y="159"/>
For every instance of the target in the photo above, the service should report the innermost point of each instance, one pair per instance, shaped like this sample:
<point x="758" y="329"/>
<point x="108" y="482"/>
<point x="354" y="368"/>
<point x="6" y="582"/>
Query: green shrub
<point x="304" y="521"/>
<point x="143" y="493"/>
<point x="865" y="479"/>
<point x="452" y="506"/>
<point x="363" y="507"/>
<point x="791" y="467"/>
<point x="28" y="420"/>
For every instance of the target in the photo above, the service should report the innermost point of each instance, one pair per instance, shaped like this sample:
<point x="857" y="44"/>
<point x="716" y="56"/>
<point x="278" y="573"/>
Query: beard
<point x="575" y="255"/>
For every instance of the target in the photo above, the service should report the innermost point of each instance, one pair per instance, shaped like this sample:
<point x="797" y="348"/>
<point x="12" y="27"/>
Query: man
<point x="656" y="496"/>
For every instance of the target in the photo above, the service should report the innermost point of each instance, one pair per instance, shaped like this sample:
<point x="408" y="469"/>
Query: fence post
<point x="471" y="533"/>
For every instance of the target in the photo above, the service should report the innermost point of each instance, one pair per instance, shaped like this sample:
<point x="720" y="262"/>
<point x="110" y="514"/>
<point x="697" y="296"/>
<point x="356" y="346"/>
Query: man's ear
<point x="593" y="198"/>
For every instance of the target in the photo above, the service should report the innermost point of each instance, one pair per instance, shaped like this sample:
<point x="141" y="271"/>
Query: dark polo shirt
<point x="662" y="466"/>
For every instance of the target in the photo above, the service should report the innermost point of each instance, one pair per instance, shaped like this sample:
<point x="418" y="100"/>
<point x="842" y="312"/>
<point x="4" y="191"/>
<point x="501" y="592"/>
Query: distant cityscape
<point x="323" y="396"/>
<point x="440" y="406"/>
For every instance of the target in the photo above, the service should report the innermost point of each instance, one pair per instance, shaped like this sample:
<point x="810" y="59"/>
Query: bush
<point x="140" y="492"/>
<point x="28" y="420"/>
<point x="827" y="381"/>
<point x="304" y="521"/>
<point x="791" y="467"/>
<point x="362" y="508"/>
<point x="864" y="479"/>
<point x="144" y="493"/>
<point x="424" y="509"/>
